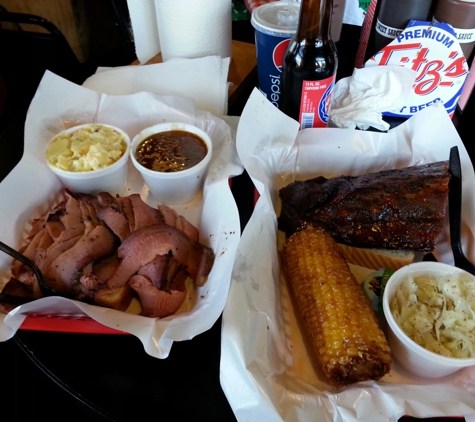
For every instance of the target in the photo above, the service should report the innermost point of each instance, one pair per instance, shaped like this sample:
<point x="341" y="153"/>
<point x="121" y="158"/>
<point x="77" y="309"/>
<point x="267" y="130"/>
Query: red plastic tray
<point x="66" y="324"/>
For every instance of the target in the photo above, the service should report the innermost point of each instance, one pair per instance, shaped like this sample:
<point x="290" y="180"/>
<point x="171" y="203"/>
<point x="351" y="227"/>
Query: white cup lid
<point x="278" y="18"/>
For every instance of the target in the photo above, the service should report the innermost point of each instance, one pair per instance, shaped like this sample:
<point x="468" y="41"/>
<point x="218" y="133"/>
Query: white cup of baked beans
<point x="173" y="160"/>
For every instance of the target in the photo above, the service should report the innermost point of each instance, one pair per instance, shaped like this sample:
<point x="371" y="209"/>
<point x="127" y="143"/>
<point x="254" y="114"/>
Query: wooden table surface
<point x="242" y="69"/>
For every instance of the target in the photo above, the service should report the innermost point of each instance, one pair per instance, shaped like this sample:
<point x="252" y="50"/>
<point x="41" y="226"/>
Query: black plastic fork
<point x="45" y="288"/>
<point x="455" y="212"/>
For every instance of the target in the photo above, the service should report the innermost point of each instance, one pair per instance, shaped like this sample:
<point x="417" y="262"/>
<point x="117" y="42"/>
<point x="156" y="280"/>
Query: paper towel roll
<point x="144" y="26"/>
<point x="194" y="28"/>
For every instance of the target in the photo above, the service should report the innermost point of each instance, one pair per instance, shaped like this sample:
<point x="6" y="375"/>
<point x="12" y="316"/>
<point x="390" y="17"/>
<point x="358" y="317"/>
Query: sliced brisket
<point x="115" y="219"/>
<point x="64" y="272"/>
<point x="76" y="246"/>
<point x="172" y="218"/>
<point x="143" y="245"/>
<point x="144" y="214"/>
<point x="156" y="303"/>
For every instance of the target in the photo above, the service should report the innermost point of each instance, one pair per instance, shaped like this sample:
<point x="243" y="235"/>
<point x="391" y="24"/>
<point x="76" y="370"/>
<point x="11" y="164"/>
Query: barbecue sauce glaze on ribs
<point x="392" y="209"/>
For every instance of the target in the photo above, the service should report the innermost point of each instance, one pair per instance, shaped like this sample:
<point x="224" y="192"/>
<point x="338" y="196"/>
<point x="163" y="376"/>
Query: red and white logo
<point x="432" y="50"/>
<point x="278" y="54"/>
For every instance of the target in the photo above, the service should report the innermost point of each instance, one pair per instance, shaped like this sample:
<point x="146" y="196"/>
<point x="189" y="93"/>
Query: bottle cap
<point x="279" y="18"/>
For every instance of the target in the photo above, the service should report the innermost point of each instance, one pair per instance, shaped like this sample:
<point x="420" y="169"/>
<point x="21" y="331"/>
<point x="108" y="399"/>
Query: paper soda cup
<point x="275" y="24"/>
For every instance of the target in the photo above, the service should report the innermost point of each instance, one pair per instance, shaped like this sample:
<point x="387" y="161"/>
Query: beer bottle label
<point x="315" y="102"/>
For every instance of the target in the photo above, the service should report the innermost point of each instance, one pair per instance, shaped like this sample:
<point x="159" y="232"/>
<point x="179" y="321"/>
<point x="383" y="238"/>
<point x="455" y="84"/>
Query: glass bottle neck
<point x="314" y="20"/>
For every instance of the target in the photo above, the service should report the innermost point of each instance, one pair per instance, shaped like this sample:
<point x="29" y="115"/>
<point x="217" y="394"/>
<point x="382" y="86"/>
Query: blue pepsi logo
<point x="278" y="54"/>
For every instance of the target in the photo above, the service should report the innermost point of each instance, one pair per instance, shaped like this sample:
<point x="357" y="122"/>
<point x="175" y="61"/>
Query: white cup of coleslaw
<point x="410" y="355"/>
<point x="110" y="178"/>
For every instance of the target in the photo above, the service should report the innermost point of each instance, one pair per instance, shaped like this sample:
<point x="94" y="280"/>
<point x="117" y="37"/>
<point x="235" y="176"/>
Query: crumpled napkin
<point x="359" y="100"/>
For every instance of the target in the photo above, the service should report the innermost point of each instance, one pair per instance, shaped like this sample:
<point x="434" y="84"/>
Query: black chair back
<point x="26" y="54"/>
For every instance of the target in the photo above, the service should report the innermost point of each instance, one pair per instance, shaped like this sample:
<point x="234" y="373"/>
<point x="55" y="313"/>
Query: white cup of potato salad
<point x="90" y="158"/>
<point x="430" y="310"/>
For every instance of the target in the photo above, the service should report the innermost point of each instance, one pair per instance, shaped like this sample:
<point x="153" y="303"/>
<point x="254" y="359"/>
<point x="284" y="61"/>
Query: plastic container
<point x="275" y="24"/>
<point x="110" y="179"/>
<point x="407" y="352"/>
<point x="173" y="188"/>
<point x="460" y="14"/>
<point x="393" y="17"/>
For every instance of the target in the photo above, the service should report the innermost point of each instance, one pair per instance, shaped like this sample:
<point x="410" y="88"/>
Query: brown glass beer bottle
<point x="309" y="66"/>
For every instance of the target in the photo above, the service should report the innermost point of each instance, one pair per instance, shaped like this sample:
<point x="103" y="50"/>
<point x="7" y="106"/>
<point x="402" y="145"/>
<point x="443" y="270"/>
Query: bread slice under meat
<point x="377" y="258"/>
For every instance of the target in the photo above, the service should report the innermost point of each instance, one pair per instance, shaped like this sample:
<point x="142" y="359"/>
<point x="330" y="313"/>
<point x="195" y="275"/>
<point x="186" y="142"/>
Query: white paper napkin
<point x="359" y="100"/>
<point x="204" y="80"/>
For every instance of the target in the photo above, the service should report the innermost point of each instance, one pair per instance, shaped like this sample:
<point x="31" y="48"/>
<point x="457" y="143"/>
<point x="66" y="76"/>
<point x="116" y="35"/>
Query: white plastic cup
<point x="110" y="179"/>
<point x="178" y="187"/>
<point x="413" y="357"/>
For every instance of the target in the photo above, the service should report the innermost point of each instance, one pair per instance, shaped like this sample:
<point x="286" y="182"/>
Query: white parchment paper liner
<point x="266" y="370"/>
<point x="31" y="188"/>
<point x="204" y="79"/>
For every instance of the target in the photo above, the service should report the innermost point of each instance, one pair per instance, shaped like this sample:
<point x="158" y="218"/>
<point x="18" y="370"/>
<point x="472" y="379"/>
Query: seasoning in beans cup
<point x="173" y="159"/>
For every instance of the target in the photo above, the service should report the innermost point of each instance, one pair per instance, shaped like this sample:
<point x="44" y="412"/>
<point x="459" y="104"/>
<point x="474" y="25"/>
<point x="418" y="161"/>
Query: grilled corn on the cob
<point x="342" y="326"/>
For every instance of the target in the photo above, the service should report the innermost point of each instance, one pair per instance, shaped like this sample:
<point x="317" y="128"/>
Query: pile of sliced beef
<point x="108" y="250"/>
